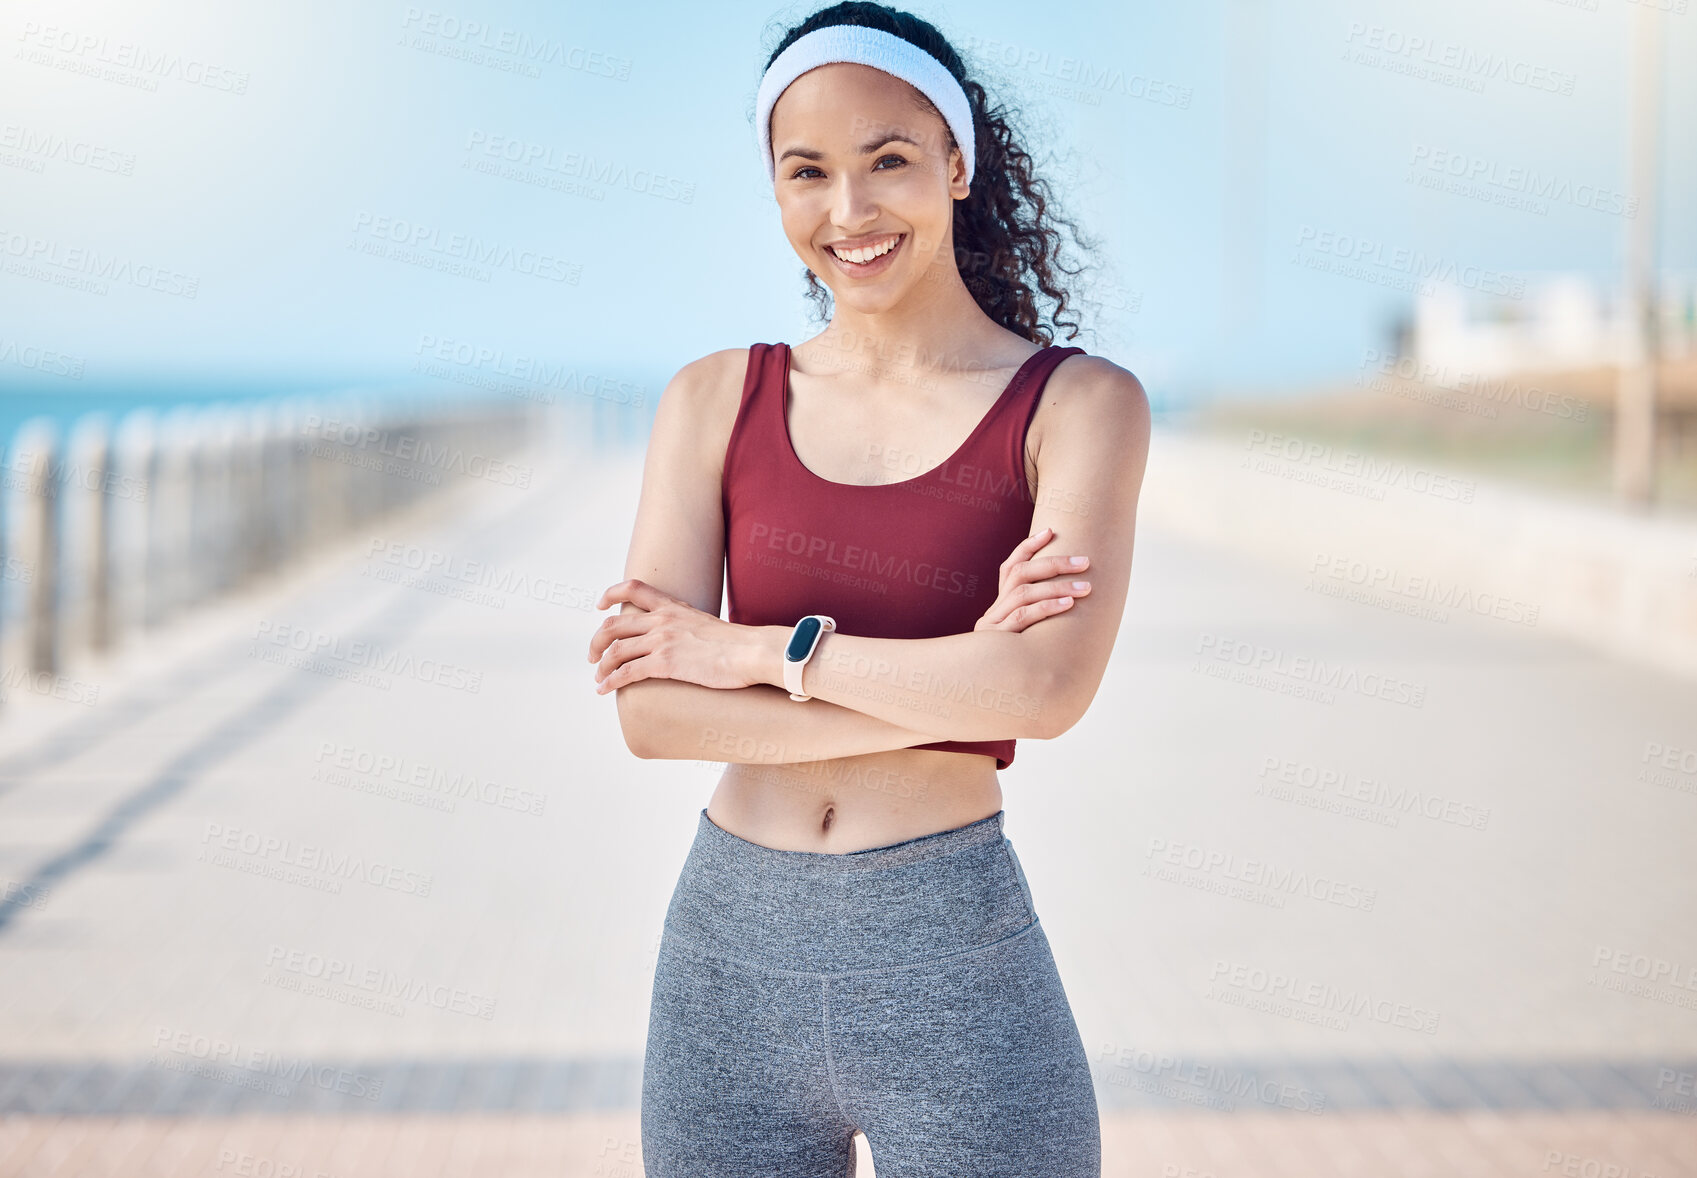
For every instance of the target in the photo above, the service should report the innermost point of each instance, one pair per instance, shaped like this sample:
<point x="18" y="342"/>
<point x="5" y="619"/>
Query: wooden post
<point x="247" y="496"/>
<point x="37" y="443"/>
<point x="92" y="450"/>
<point x="132" y="446"/>
<point x="226" y="555"/>
<point x="199" y="506"/>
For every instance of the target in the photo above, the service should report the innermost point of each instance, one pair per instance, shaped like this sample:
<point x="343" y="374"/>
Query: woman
<point x="852" y="945"/>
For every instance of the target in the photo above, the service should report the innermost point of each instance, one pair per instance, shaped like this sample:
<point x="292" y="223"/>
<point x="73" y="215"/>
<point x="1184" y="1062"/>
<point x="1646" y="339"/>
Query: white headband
<point x="866" y="46"/>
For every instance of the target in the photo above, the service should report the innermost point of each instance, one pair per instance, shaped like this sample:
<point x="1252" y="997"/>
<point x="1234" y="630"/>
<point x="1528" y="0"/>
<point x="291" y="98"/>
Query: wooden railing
<point x="116" y="524"/>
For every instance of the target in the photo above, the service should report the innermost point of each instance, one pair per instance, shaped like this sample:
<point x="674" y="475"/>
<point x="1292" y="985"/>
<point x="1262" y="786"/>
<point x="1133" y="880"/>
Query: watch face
<point x="806" y="634"/>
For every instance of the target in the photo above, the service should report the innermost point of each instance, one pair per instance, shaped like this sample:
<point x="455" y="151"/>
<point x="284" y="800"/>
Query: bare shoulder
<point x="700" y="388"/>
<point x="1095" y="383"/>
<point x="1091" y="397"/>
<point x="700" y="402"/>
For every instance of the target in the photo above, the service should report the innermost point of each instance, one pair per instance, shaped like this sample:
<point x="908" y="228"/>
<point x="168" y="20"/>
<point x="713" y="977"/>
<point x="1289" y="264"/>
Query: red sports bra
<point x="917" y="558"/>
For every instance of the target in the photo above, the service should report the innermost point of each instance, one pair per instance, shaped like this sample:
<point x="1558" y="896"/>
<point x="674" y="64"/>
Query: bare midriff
<point x="855" y="803"/>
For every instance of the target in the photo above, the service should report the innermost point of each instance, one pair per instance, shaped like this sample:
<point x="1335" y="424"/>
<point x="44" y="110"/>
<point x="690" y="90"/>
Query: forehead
<point x="846" y="99"/>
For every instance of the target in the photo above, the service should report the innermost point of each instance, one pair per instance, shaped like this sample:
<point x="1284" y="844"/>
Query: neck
<point x="935" y="330"/>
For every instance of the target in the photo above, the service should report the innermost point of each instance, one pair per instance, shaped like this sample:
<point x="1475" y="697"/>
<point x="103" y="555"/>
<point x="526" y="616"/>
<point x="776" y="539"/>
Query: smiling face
<point x="861" y="161"/>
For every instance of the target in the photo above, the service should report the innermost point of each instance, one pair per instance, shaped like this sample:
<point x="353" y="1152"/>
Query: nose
<point x="852" y="205"/>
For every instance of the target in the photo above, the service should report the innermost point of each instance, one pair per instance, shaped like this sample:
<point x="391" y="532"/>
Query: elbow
<point x="1059" y="705"/>
<point x="634" y="722"/>
<point x="1055" y="723"/>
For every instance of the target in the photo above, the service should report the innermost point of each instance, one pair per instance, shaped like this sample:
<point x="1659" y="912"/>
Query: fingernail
<point x="1081" y="586"/>
<point x="1079" y="562"/>
<point x="1064" y="600"/>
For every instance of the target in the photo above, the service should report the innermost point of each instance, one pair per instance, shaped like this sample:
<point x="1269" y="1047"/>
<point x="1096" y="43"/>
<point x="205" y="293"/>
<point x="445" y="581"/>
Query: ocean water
<point x="63" y="401"/>
<point x="604" y="422"/>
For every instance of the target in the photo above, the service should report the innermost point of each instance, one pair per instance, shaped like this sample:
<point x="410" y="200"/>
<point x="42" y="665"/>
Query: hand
<point x="1027" y="596"/>
<point x="668" y="638"/>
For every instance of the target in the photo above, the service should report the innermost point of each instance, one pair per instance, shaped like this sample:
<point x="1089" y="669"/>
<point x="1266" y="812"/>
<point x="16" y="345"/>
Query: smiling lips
<point x="866" y="253"/>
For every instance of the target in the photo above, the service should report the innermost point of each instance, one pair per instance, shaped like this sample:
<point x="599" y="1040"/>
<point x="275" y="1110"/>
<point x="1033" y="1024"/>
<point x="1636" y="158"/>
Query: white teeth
<point x="867" y="253"/>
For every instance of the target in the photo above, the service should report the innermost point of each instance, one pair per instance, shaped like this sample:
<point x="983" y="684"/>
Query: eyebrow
<point x="867" y="148"/>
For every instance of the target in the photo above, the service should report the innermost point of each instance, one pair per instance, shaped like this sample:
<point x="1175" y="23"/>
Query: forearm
<point x="980" y="685"/>
<point x="674" y="720"/>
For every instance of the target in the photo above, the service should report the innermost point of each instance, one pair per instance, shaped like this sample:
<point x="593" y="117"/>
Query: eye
<point x="801" y="172"/>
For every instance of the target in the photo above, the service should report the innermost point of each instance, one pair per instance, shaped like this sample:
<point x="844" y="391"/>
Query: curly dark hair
<point x="1005" y="244"/>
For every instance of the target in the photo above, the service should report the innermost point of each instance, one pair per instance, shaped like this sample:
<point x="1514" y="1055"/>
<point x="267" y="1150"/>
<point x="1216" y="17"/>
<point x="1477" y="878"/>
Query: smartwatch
<point x="804" y="640"/>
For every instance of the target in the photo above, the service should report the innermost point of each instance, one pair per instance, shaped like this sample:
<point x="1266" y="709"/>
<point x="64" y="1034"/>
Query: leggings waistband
<point x="723" y="843"/>
<point x="819" y="913"/>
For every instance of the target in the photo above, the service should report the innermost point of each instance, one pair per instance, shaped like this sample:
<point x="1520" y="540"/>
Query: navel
<point x="830" y="814"/>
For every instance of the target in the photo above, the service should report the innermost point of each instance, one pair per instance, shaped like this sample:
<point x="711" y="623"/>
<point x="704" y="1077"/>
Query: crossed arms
<point x="869" y="694"/>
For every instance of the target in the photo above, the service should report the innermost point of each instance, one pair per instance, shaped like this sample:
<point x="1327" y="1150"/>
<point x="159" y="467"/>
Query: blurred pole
<point x="1635" y="396"/>
<point x="152" y="552"/>
<point x="42" y="498"/>
<point x="268" y="493"/>
<point x="99" y="540"/>
<point x="246" y="455"/>
<point x="168" y="533"/>
<point x="296" y="540"/>
<point x="132" y="447"/>
<point x="223" y="430"/>
<point x="197" y="461"/>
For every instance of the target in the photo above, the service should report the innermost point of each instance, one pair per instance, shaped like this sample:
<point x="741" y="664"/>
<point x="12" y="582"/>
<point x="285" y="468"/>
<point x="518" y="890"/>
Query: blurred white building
<point x="1564" y="321"/>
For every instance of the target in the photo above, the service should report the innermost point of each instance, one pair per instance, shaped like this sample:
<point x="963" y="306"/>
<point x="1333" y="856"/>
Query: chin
<point x="868" y="302"/>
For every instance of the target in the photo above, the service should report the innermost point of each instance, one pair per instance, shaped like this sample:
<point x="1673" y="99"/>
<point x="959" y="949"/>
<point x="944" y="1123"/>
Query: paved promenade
<point x="353" y="876"/>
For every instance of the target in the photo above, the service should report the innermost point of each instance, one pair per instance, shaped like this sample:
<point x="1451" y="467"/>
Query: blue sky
<point x="264" y="158"/>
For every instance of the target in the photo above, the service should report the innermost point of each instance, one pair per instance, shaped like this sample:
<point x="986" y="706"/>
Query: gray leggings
<point x="905" y="991"/>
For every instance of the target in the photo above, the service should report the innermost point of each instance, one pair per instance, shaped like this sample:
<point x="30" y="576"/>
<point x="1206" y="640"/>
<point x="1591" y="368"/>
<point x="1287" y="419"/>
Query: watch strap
<point x="793" y="669"/>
